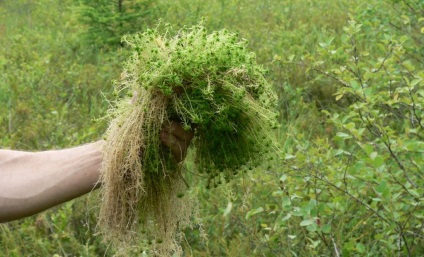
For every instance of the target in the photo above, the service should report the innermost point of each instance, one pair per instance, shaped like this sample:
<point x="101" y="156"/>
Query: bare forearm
<point x="33" y="182"/>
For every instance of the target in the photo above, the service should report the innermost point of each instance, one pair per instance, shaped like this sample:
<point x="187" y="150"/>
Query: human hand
<point x="176" y="138"/>
<point x="173" y="135"/>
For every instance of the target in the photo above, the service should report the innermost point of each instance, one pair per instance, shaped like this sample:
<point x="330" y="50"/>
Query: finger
<point x="178" y="147"/>
<point x="175" y="128"/>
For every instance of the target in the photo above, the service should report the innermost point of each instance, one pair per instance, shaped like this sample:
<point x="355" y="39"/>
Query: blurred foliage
<point x="50" y="84"/>
<point x="108" y="20"/>
<point x="350" y="79"/>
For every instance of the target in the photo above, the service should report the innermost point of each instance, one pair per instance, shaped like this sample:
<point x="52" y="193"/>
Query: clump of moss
<point x="209" y="82"/>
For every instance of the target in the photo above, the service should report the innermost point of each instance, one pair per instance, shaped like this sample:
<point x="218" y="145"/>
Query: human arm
<point x="31" y="182"/>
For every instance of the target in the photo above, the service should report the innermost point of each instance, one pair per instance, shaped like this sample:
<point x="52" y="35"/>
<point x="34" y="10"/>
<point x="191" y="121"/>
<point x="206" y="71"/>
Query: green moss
<point x="212" y="81"/>
<point x="209" y="82"/>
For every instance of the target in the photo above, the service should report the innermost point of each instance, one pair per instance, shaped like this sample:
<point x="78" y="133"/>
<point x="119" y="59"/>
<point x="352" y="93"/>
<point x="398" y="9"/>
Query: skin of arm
<point x="31" y="182"/>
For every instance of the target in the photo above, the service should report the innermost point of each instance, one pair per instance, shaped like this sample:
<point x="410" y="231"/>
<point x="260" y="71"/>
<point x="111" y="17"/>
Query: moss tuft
<point x="207" y="81"/>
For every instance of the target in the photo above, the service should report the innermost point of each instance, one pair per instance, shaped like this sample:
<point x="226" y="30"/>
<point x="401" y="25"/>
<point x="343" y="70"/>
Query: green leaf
<point x="254" y="212"/>
<point x="339" y="152"/>
<point x="368" y="148"/>
<point x="326" y="229"/>
<point x="408" y="65"/>
<point x="342" y="136"/>
<point x="404" y="38"/>
<point x="350" y="126"/>
<point x="360" y="247"/>
<point x="288" y="216"/>
<point x="367" y="75"/>
<point x="415" y="82"/>
<point x="355" y="85"/>
<point x="415" y="146"/>
<point x="368" y="91"/>
<point x="305" y="223"/>
<point x="312" y="227"/>
<point x="378" y="161"/>
<point x="414" y="192"/>
<point x="323" y="45"/>
<point x="298" y="212"/>
<point x="286" y="203"/>
<point x="383" y="190"/>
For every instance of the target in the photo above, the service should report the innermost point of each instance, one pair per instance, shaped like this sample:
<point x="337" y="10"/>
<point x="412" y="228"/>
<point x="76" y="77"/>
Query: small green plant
<point x="209" y="81"/>
<point x="108" y="20"/>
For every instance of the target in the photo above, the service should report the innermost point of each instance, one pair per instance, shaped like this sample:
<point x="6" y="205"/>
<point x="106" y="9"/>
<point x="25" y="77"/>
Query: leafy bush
<point x="370" y="172"/>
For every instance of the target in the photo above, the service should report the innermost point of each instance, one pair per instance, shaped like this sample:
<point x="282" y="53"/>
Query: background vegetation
<point x="350" y="80"/>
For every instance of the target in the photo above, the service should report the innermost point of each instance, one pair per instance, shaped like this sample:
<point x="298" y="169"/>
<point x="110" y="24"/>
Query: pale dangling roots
<point x="132" y="197"/>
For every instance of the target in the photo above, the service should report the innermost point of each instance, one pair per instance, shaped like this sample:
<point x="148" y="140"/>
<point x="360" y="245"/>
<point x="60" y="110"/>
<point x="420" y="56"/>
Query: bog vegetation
<point x="349" y="76"/>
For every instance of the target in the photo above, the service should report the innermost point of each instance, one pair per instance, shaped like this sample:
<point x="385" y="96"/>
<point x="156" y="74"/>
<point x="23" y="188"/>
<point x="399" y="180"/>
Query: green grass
<point x="330" y="191"/>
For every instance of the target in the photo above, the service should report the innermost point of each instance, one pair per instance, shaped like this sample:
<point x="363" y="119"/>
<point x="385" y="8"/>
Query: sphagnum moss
<point x="207" y="80"/>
